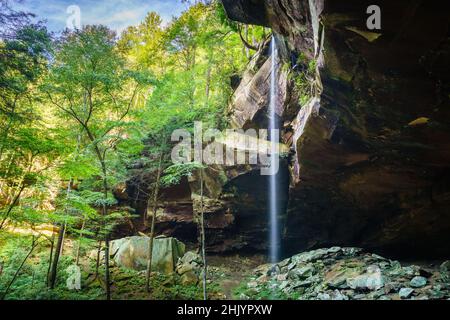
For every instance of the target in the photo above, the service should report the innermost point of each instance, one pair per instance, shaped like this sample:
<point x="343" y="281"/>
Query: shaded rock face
<point x="248" y="108"/>
<point x="368" y="126"/>
<point x="175" y="214"/>
<point x="246" y="202"/>
<point x="365" y="173"/>
<point x="235" y="200"/>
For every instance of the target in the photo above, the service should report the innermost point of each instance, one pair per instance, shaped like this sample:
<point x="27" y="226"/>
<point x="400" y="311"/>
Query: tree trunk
<point x="50" y="259"/>
<point x="59" y="244"/>
<point x="208" y="83"/>
<point x="247" y="50"/>
<point x="59" y="247"/>
<point x="202" y="227"/>
<point x="107" y="276"/>
<point x="77" y="260"/>
<point x="105" y="213"/>
<point x="62" y="241"/>
<point x="145" y="215"/>
<point x="97" y="266"/>
<point x="152" y="228"/>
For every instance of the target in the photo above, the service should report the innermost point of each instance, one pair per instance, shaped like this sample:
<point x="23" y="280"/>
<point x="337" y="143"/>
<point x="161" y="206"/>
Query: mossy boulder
<point x="132" y="253"/>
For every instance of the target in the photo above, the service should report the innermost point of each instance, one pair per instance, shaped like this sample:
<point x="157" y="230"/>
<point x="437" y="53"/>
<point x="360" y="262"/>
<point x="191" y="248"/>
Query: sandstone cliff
<point x="366" y="114"/>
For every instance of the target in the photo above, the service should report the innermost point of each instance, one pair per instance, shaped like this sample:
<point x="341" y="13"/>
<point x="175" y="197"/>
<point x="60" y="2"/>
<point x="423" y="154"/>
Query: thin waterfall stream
<point x="274" y="238"/>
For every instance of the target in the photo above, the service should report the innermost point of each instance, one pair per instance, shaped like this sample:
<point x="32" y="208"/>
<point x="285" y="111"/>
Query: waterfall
<point x="274" y="238"/>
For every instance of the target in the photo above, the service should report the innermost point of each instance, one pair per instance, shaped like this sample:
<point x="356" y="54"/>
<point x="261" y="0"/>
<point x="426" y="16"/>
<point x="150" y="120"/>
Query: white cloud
<point x="117" y="14"/>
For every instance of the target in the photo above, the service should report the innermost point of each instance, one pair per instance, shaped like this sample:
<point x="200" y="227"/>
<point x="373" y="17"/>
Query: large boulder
<point x="132" y="253"/>
<point x="189" y="268"/>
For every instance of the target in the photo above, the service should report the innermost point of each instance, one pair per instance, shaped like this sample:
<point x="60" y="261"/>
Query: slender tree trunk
<point x="152" y="228"/>
<point x="105" y="213"/>
<point x="97" y="265"/>
<point x="145" y="215"/>
<point x="59" y="244"/>
<point x="59" y="247"/>
<point x="34" y="244"/>
<point x="107" y="275"/>
<point x="63" y="238"/>
<point x="208" y="83"/>
<point x="50" y="259"/>
<point x="247" y="50"/>
<point x="77" y="260"/>
<point x="202" y="227"/>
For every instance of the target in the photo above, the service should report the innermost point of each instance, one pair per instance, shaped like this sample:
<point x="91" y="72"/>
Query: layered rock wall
<point x="366" y="115"/>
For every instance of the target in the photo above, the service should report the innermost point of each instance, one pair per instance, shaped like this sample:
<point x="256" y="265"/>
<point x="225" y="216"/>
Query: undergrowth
<point x="30" y="283"/>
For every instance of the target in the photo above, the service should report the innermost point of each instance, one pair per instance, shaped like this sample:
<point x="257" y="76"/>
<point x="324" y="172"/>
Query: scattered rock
<point x="346" y="274"/>
<point x="412" y="270"/>
<point x="274" y="270"/>
<point x="418" y="282"/>
<point x="301" y="273"/>
<point x="372" y="280"/>
<point x="337" y="295"/>
<point x="323" y="296"/>
<point x="281" y="277"/>
<point x="189" y="278"/>
<point x="445" y="266"/>
<point x="189" y="268"/>
<point x="283" y="285"/>
<point x="263" y="269"/>
<point x="244" y="297"/>
<point x="339" y="282"/>
<point x="405" y="293"/>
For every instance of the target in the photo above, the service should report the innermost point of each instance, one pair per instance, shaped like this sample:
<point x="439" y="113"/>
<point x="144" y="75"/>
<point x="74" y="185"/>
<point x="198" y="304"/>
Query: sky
<point x="116" y="14"/>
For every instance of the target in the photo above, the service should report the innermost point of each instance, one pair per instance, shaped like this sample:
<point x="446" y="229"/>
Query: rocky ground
<point x="346" y="274"/>
<point x="229" y="272"/>
<point x="324" y="274"/>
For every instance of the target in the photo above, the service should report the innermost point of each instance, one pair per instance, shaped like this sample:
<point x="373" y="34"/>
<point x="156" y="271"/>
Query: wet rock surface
<point x="346" y="274"/>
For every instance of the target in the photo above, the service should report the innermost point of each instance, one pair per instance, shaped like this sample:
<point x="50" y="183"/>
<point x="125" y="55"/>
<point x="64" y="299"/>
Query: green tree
<point x="89" y="84"/>
<point x="24" y="142"/>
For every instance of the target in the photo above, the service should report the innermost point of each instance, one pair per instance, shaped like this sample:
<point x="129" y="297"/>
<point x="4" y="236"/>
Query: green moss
<point x="303" y="79"/>
<point x="286" y="67"/>
<point x="264" y="292"/>
<point x="126" y="284"/>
